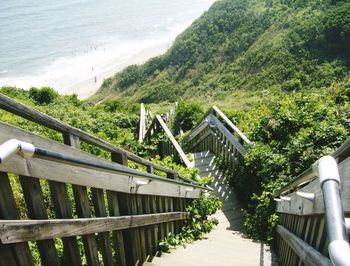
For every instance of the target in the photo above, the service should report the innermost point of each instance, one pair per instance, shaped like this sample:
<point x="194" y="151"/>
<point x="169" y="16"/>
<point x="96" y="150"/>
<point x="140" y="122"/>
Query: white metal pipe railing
<point x="28" y="150"/>
<point x="326" y="169"/>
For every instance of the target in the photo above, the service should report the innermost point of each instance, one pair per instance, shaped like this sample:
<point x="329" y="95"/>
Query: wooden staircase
<point x="226" y="244"/>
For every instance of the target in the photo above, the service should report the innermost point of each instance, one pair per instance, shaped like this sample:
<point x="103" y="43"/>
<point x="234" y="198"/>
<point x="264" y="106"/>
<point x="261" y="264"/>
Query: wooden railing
<point x="302" y="231"/>
<point x="117" y="214"/>
<point x="219" y="135"/>
<point x="72" y="134"/>
<point x="143" y="122"/>
<point x="170" y="146"/>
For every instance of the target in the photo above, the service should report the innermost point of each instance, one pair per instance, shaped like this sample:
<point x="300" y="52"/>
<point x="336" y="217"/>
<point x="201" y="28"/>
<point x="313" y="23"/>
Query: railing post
<point x="83" y="207"/>
<point x="18" y="253"/>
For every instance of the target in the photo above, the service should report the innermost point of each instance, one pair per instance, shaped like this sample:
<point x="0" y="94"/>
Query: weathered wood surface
<point x="305" y="252"/>
<point x="198" y="129"/>
<point x="301" y="206"/>
<point x="63" y="210"/>
<point x="37" y="210"/>
<point x="83" y="207"/>
<point x="40" y="168"/>
<point x="17" y="108"/>
<point x="232" y="126"/>
<point x="13" y="231"/>
<point x="174" y="142"/>
<point x="227" y="134"/>
<point x="18" y="253"/>
<point x="225" y="245"/>
<point x="142" y="124"/>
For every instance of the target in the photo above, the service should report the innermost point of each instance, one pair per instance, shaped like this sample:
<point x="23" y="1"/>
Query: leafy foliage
<point x="290" y="133"/>
<point x="187" y="115"/>
<point x="43" y="96"/>
<point x="198" y="224"/>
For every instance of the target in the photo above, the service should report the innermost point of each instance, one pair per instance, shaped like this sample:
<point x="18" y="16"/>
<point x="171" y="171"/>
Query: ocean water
<point x="68" y="42"/>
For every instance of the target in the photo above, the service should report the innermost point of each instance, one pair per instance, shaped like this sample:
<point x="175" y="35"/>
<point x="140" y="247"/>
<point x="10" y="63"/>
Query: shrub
<point x="43" y="96"/>
<point x="187" y="115"/>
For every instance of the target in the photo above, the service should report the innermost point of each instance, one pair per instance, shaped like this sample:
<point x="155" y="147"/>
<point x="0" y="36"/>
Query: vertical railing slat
<point x="20" y="252"/>
<point x="63" y="209"/>
<point x="82" y="205"/>
<point x="36" y="210"/>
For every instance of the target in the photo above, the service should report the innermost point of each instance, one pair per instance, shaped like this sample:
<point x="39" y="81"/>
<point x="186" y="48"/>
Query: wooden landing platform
<point x="225" y="245"/>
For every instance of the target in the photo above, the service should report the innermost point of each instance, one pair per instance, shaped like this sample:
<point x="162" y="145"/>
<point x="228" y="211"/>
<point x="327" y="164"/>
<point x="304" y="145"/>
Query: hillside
<point x="244" y="49"/>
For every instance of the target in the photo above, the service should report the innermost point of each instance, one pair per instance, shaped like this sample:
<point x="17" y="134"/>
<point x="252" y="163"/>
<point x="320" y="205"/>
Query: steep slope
<point x="245" y="47"/>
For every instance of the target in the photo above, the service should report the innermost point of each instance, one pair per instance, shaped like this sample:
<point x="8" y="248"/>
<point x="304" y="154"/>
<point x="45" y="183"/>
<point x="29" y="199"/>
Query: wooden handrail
<point x="216" y="110"/>
<point x="131" y="211"/>
<point x="142" y="124"/>
<point x="176" y="145"/>
<point x="112" y="176"/>
<point x="305" y="252"/>
<point x="311" y="209"/>
<point x="17" y="108"/>
<point x="15" y="231"/>
<point x="308" y="175"/>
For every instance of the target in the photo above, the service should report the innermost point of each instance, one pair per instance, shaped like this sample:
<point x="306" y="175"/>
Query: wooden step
<point x="225" y="246"/>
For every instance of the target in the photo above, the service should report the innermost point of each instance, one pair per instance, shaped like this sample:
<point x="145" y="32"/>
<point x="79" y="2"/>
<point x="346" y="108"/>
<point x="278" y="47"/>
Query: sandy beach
<point x="94" y="80"/>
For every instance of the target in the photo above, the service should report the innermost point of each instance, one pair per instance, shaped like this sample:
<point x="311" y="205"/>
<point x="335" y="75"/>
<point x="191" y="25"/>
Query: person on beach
<point x="95" y="79"/>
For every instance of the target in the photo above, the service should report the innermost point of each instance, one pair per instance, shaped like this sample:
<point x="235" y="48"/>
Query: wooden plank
<point x="126" y="208"/>
<point x="63" y="209"/>
<point x="197" y="130"/>
<point x="13" y="231"/>
<point x="156" y="228"/>
<point x="148" y="229"/>
<point x="142" y="124"/>
<point x="37" y="210"/>
<point x="308" y="254"/>
<point x="141" y="230"/>
<point x="8" y="211"/>
<point x="100" y="211"/>
<point x="6" y="256"/>
<point x="166" y="209"/>
<point x="118" y="240"/>
<point x="161" y="209"/>
<point x="8" y="131"/>
<point x="232" y="126"/>
<point x="82" y="206"/>
<point x="171" y="209"/>
<point x="87" y="177"/>
<point x="227" y="134"/>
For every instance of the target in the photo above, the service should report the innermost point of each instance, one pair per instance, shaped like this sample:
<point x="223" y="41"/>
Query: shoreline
<point x="89" y="86"/>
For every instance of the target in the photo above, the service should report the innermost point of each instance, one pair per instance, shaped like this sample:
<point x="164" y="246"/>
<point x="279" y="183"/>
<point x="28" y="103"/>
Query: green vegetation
<point x="245" y="48"/>
<point x="279" y="67"/>
<point x="198" y="224"/>
<point x="187" y="115"/>
<point x="290" y="133"/>
<point x="112" y="121"/>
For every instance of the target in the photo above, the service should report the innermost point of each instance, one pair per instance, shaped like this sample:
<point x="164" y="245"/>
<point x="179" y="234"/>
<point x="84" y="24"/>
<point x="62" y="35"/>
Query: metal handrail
<point x="10" y="105"/>
<point x="308" y="175"/>
<point x="327" y="173"/>
<point x="28" y="150"/>
<point x="326" y="169"/>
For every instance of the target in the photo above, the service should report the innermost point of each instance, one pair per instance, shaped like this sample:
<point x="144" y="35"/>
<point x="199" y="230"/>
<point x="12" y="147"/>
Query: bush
<point x="198" y="223"/>
<point x="289" y="134"/>
<point x="43" y="96"/>
<point x="187" y="115"/>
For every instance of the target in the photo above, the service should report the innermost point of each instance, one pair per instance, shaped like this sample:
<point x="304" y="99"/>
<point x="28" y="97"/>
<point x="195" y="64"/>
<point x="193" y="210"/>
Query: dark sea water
<point x="62" y="43"/>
